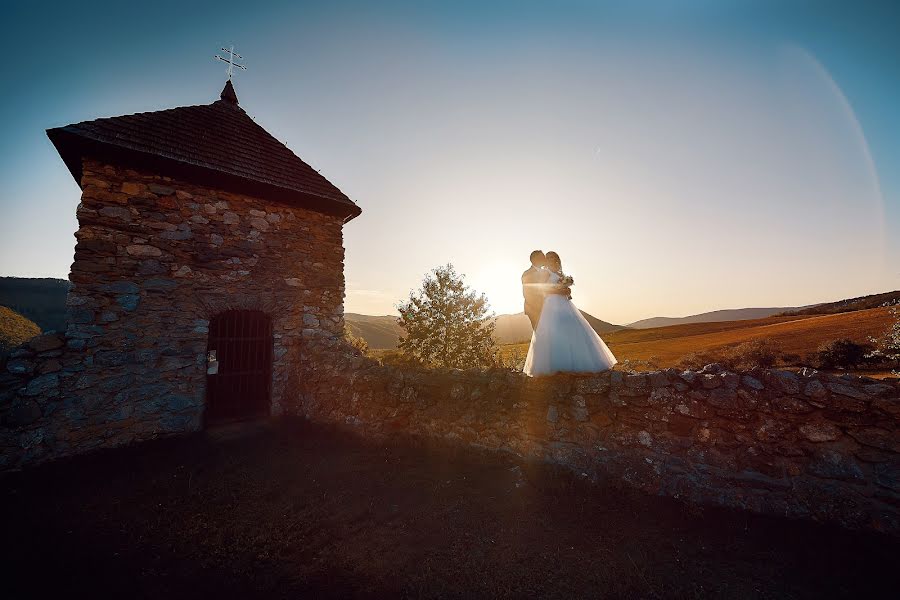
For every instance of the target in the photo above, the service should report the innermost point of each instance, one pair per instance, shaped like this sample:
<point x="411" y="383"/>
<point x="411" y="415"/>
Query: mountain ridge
<point x="713" y="316"/>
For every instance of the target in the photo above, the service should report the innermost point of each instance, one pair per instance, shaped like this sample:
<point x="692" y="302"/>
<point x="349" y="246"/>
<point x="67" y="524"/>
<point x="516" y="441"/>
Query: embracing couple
<point x="563" y="340"/>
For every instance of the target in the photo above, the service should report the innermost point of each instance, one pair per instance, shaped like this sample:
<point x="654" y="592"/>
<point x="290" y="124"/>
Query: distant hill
<point x="14" y="329"/>
<point x="716" y="316"/>
<point x="848" y="305"/>
<point x="383" y="332"/>
<point x="43" y="300"/>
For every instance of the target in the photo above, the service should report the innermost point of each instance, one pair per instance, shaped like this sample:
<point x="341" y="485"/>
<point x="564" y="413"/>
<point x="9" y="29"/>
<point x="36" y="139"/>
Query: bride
<point x="564" y="341"/>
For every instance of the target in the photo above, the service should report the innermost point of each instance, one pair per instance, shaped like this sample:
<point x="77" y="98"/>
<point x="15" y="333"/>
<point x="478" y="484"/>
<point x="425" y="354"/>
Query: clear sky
<point x="679" y="156"/>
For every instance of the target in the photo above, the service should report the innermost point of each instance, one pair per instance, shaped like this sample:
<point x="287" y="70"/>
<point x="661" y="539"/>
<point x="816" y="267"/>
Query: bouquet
<point x="564" y="287"/>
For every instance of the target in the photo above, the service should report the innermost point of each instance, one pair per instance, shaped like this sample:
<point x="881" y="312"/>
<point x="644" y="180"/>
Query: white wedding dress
<point x="564" y="341"/>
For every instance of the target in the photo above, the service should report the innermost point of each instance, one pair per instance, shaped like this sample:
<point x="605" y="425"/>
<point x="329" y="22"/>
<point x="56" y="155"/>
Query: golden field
<point x="14" y="329"/>
<point x="798" y="335"/>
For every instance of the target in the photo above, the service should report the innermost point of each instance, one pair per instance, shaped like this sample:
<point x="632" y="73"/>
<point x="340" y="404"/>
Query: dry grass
<point x="797" y="335"/>
<point x="14" y="329"/>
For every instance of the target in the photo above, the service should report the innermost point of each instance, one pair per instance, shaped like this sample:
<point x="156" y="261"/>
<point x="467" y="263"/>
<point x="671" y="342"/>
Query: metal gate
<point x="239" y="373"/>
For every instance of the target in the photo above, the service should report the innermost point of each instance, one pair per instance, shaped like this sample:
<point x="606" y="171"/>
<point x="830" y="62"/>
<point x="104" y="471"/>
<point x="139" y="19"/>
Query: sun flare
<point x="499" y="281"/>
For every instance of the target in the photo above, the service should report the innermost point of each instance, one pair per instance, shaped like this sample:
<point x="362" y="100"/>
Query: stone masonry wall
<point x="156" y="259"/>
<point x="807" y="445"/>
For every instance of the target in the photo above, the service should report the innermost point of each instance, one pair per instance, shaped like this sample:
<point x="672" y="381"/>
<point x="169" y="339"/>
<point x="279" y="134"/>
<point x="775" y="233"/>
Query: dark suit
<point x="534" y="292"/>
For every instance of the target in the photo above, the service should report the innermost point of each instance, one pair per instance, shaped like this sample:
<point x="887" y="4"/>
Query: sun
<point x="499" y="281"/>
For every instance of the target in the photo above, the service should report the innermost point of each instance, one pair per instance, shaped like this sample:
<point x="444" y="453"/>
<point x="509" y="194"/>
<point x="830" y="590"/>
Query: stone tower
<point x="208" y="266"/>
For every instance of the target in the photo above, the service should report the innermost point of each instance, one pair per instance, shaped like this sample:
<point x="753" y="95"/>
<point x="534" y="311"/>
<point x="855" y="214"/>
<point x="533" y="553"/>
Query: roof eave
<point x="73" y="148"/>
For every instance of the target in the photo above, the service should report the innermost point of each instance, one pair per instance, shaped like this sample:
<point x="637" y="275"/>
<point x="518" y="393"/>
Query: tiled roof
<point x="218" y="138"/>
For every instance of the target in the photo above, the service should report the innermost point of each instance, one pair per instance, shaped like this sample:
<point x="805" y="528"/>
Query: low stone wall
<point x="805" y="445"/>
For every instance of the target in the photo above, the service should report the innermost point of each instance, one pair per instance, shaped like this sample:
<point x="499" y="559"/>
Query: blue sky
<point x="680" y="156"/>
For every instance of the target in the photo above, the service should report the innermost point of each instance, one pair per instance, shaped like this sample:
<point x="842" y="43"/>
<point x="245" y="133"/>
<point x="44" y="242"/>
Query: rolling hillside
<point x="798" y="335"/>
<point x="741" y="314"/>
<point x="381" y="332"/>
<point x="848" y="305"/>
<point x="716" y="316"/>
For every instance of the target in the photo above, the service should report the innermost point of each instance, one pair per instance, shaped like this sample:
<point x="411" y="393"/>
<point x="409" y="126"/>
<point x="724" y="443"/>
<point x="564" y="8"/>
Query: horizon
<point x="628" y="324"/>
<point x="679" y="160"/>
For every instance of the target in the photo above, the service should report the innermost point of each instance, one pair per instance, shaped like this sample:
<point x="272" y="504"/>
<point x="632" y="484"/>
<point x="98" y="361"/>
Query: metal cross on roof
<point x="230" y="60"/>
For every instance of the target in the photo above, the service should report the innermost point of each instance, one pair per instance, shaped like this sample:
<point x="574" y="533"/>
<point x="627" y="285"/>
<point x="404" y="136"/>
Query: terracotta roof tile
<point x="218" y="137"/>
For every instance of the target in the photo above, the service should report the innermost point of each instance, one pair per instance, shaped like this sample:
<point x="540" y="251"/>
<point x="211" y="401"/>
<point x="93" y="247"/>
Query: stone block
<point x="814" y="389"/>
<point x="116" y="212"/>
<point x="833" y="465"/>
<point x="177" y="235"/>
<point x="159" y="285"/>
<point x="876" y="437"/>
<point x="820" y="432"/>
<point x="128" y="302"/>
<point x="579" y="413"/>
<point x="878" y="389"/>
<point x="710" y="381"/>
<point x="160" y="190"/>
<point x="721" y="397"/>
<point x="22" y="413"/>
<point x="131" y="188"/>
<point x="150" y="267"/>
<point x="730" y="380"/>
<point x="143" y="251"/>
<point x="121" y="287"/>
<point x="887" y="475"/>
<point x="791" y="405"/>
<point x="752" y="383"/>
<point x="785" y="381"/>
<point x="115" y="384"/>
<point x="598" y="384"/>
<point x="688" y="376"/>
<point x="847" y="390"/>
<point x="108" y="316"/>
<point x="43" y="385"/>
<point x="110" y="358"/>
<point x="20" y="366"/>
<point x="552" y="414"/>
<point x="635" y="384"/>
<point x="80" y="315"/>
<point x="46" y="342"/>
<point x="658" y="379"/>
<point x="51" y="365"/>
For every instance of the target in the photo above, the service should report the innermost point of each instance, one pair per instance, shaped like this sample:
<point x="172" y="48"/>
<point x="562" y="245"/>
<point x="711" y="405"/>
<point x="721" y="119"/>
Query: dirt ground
<point x="296" y="510"/>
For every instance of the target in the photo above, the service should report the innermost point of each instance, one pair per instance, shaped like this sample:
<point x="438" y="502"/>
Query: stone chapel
<point x="208" y="262"/>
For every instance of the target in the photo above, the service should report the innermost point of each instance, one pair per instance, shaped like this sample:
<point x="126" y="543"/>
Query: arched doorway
<point x="239" y="373"/>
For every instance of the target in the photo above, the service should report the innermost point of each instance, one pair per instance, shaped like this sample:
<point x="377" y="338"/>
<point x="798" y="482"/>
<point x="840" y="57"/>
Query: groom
<point x="533" y="281"/>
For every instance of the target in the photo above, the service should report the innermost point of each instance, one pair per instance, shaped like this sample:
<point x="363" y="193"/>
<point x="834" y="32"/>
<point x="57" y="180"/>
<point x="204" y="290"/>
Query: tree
<point x="447" y="324"/>
<point x="357" y="342"/>
<point x="887" y="347"/>
<point x="842" y="353"/>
